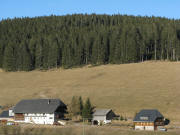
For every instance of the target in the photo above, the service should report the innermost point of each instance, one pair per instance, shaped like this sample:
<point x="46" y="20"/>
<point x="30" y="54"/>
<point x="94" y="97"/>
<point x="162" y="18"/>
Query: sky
<point x="32" y="8"/>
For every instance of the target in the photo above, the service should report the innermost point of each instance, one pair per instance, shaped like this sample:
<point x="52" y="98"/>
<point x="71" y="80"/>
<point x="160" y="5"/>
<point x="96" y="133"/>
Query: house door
<point x="95" y="122"/>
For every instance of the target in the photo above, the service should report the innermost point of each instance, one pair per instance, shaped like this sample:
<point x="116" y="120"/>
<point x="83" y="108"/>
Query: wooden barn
<point x="148" y="120"/>
<point x="102" y="116"/>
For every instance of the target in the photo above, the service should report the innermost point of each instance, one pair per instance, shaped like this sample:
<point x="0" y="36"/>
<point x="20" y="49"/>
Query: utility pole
<point x="84" y="124"/>
<point x="83" y="127"/>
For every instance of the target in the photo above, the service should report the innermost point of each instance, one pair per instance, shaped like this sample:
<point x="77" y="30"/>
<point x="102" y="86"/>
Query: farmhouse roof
<point x="38" y="106"/>
<point x="5" y="114"/>
<point x="101" y="112"/>
<point x="147" y="115"/>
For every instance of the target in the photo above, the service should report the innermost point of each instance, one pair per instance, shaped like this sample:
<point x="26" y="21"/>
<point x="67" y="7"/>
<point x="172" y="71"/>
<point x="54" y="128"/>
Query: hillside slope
<point x="125" y="88"/>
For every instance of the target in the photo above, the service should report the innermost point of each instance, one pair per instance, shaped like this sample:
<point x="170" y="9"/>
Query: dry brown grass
<point x="78" y="130"/>
<point x="125" y="88"/>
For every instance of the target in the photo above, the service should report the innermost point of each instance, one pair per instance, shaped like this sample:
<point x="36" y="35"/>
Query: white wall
<point x="8" y="119"/>
<point x="149" y="127"/>
<point x="39" y="118"/>
<point x="11" y="113"/>
<point x="107" y="121"/>
<point x="99" y="118"/>
<point x="144" y="127"/>
<point x="139" y="127"/>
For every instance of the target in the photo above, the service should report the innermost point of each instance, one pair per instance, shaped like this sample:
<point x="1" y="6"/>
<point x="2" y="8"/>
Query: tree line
<point x="76" y="40"/>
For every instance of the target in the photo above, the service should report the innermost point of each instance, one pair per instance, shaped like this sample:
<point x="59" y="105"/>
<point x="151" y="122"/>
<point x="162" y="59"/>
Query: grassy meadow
<point x="88" y="130"/>
<point x="125" y="88"/>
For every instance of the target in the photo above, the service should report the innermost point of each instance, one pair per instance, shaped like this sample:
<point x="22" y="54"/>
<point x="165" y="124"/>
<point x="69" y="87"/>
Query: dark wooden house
<point x="148" y="120"/>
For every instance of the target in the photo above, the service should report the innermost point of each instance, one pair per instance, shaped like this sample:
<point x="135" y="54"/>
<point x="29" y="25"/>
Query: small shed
<point x="102" y="116"/>
<point x="148" y="120"/>
<point x="5" y="117"/>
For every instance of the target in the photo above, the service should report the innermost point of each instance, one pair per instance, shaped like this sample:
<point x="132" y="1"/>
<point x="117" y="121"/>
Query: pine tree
<point x="32" y="51"/>
<point x="80" y="105"/>
<point x="39" y="55"/>
<point x="9" y="62"/>
<point x="1" y="54"/>
<point x="74" y="107"/>
<point x="87" y="110"/>
<point x="53" y="55"/>
<point x="23" y="59"/>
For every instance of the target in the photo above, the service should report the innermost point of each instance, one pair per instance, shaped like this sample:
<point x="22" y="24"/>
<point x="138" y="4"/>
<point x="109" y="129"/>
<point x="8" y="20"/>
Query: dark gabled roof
<point x="5" y="114"/>
<point x="148" y="115"/>
<point x="38" y="106"/>
<point x="101" y="112"/>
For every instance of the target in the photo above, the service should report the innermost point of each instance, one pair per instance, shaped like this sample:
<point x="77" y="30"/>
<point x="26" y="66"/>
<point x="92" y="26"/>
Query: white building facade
<point x="39" y="111"/>
<point x="145" y="127"/>
<point x="38" y="118"/>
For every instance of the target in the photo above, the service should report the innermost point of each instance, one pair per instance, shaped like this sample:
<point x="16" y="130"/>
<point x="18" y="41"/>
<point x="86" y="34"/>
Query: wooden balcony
<point x="19" y="117"/>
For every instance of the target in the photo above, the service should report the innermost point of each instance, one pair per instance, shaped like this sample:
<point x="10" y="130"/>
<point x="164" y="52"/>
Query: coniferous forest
<point x="76" y="40"/>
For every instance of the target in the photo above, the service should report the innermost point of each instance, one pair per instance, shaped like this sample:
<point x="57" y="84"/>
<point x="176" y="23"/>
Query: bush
<point x="121" y="118"/>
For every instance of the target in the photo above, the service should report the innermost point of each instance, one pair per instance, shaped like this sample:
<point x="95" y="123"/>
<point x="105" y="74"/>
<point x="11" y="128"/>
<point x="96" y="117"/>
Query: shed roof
<point x="148" y="115"/>
<point x="101" y="112"/>
<point x="38" y="106"/>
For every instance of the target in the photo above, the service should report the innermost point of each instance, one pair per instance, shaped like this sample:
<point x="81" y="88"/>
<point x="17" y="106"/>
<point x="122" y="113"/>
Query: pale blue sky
<point x="31" y="8"/>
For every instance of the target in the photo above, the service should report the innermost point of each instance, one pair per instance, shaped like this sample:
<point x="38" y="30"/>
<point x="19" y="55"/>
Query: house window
<point x="144" y="118"/>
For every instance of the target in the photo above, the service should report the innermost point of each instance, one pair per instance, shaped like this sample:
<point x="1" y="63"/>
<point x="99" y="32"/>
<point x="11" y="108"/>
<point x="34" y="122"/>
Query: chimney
<point x="48" y="101"/>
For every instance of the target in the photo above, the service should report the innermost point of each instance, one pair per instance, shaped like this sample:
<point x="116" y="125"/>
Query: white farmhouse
<point x="39" y="111"/>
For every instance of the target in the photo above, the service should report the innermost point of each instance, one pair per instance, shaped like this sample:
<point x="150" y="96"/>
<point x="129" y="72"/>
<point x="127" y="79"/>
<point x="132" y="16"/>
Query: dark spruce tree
<point x="9" y="59"/>
<point x="81" y="105"/>
<point x="87" y="110"/>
